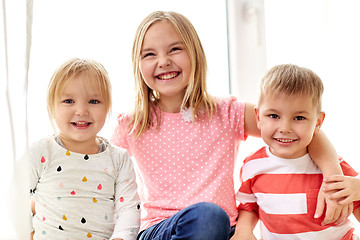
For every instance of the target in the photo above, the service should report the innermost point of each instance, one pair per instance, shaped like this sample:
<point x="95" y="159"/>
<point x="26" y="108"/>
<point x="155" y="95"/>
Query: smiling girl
<point x="82" y="186"/>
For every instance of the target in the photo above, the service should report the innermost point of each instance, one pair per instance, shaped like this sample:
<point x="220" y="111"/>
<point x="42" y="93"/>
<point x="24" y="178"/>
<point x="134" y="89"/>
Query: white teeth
<point x="167" y="76"/>
<point x="81" y="123"/>
<point x="284" y="140"/>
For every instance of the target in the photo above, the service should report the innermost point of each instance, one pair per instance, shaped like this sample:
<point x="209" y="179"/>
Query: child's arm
<point x="326" y="158"/>
<point x="347" y="188"/>
<point x="127" y="202"/>
<point x="251" y="128"/>
<point x="245" y="226"/>
<point x="324" y="155"/>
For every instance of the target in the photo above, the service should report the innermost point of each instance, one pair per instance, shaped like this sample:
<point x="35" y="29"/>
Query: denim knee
<point x="205" y="221"/>
<point x="201" y="221"/>
<point x="209" y="213"/>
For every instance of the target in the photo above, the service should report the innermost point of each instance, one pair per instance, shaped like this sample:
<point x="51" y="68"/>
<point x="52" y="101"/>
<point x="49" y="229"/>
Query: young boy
<point x="280" y="182"/>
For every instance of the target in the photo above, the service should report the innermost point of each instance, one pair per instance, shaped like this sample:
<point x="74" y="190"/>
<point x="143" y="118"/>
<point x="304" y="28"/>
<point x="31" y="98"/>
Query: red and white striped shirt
<point x="284" y="193"/>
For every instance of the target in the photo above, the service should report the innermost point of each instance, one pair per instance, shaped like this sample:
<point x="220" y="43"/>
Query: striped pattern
<point x="284" y="192"/>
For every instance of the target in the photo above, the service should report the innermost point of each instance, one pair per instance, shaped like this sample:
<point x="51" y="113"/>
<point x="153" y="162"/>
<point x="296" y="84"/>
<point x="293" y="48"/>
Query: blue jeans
<point x="201" y="221"/>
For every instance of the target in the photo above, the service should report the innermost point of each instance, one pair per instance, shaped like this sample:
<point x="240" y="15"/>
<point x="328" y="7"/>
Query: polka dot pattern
<point x="187" y="162"/>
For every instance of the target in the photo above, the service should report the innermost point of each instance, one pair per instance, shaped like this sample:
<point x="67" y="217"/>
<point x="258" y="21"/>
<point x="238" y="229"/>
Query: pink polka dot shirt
<point x="183" y="162"/>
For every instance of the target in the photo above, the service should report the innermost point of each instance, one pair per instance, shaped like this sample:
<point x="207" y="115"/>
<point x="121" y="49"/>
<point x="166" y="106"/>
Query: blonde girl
<point x="82" y="186"/>
<point x="183" y="140"/>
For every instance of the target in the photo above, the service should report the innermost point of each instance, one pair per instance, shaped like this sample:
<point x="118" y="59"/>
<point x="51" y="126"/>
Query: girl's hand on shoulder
<point x="343" y="189"/>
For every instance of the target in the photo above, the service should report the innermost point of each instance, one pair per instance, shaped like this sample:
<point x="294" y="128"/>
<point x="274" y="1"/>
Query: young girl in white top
<point x="185" y="141"/>
<point x="83" y="187"/>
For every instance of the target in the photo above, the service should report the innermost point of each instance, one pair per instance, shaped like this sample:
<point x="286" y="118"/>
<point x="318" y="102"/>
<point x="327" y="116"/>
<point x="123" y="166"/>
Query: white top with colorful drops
<point x="81" y="196"/>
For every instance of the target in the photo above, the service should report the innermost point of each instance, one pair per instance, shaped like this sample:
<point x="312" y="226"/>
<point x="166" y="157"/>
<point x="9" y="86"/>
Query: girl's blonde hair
<point x="196" y="96"/>
<point x="98" y="79"/>
<point x="292" y="80"/>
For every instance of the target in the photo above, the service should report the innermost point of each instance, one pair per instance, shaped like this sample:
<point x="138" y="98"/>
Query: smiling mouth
<point x="283" y="140"/>
<point x="81" y="124"/>
<point x="167" y="76"/>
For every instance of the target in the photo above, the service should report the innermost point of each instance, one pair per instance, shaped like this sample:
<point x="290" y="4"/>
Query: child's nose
<point x="164" y="62"/>
<point x="285" y="127"/>
<point x="82" y="109"/>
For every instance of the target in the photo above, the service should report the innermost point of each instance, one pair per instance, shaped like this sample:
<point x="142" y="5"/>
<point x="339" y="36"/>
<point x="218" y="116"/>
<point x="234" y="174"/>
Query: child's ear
<point x="319" y="121"/>
<point x="257" y="117"/>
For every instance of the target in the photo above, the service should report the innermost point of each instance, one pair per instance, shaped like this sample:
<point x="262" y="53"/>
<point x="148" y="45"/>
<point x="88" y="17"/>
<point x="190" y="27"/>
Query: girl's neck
<point x="87" y="147"/>
<point x="170" y="105"/>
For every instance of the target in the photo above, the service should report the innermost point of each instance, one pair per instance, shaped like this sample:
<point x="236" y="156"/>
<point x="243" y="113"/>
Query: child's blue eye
<point x="148" y="55"/>
<point x="273" y="116"/>
<point x="68" y="101"/>
<point x="94" y="101"/>
<point x="299" y="118"/>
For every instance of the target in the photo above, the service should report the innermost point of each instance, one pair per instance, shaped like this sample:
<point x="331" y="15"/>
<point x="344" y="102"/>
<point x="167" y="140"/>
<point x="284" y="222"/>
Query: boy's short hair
<point x="292" y="80"/>
<point x="71" y="69"/>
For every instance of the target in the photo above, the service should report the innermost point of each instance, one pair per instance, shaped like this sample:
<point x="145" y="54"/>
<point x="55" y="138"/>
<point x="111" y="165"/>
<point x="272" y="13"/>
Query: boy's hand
<point x="344" y="189"/>
<point x="335" y="212"/>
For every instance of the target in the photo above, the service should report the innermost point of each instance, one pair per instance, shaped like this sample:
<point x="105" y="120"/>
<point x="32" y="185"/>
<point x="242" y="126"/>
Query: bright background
<point x="322" y="35"/>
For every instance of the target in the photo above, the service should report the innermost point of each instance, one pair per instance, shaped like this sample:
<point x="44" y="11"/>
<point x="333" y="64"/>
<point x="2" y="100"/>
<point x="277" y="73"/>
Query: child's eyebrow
<point x="176" y="43"/>
<point x="65" y="95"/>
<point x="147" y="50"/>
<point x="170" y="45"/>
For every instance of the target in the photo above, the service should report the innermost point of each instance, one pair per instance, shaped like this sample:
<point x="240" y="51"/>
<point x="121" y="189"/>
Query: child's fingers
<point x="320" y="205"/>
<point x="344" y="199"/>
<point x="331" y="215"/>
<point x="334" y="178"/>
<point x="341" y="193"/>
<point x="334" y="186"/>
<point x="347" y="210"/>
<point x="343" y="215"/>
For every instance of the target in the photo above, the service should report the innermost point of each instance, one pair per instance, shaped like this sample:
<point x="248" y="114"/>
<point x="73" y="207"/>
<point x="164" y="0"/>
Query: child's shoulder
<point x="260" y="153"/>
<point x="120" y="159"/>
<point x="227" y="103"/>
<point x="118" y="154"/>
<point x="42" y="144"/>
<point x="117" y="150"/>
<point x="124" y="117"/>
<point x="225" y="100"/>
<point x="41" y="150"/>
<point x="124" y="120"/>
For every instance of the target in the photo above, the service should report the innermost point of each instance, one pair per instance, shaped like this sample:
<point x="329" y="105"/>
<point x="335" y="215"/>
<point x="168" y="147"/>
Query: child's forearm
<point x="245" y="224"/>
<point x="324" y="155"/>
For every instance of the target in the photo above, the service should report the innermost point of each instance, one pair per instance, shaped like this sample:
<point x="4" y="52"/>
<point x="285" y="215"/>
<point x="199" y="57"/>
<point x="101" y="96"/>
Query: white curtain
<point x="16" y="34"/>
